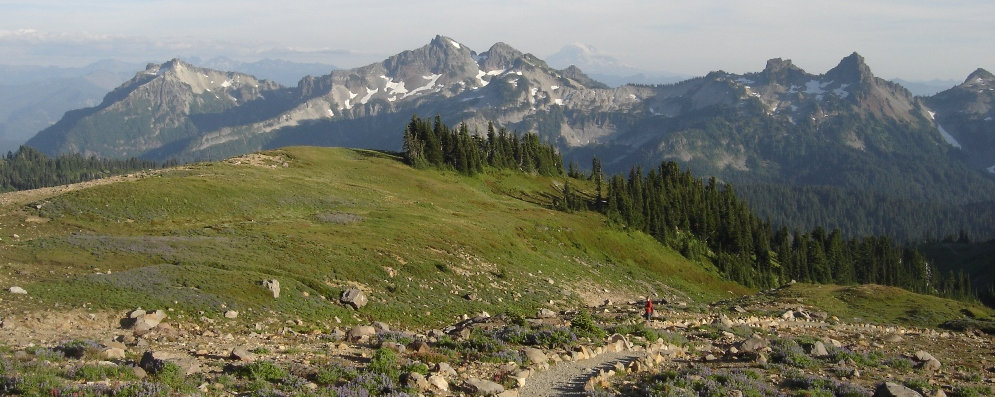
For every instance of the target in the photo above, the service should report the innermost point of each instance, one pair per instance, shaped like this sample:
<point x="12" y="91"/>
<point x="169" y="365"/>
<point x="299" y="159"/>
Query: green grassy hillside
<point x="202" y="237"/>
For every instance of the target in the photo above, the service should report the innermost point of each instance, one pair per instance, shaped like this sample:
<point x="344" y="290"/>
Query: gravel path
<point x="568" y="378"/>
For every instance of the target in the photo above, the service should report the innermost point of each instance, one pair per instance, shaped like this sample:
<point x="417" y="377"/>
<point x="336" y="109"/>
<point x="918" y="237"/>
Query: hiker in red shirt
<point x="649" y="309"/>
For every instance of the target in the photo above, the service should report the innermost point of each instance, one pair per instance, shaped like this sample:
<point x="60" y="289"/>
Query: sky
<point x="913" y="40"/>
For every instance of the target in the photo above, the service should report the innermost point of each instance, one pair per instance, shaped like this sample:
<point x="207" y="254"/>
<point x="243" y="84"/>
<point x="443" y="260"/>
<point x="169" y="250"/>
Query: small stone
<point x="231" y="314"/>
<point x="17" y="290"/>
<point x="546" y="313"/>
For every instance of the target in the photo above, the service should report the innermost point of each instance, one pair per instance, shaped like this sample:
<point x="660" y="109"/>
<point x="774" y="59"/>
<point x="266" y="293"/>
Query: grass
<point x="881" y="304"/>
<point x="331" y="219"/>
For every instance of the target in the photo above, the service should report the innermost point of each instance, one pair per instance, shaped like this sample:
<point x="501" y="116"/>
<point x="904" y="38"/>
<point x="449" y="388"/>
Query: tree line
<point x="706" y="219"/>
<point x="29" y="168"/>
<point x="434" y="144"/>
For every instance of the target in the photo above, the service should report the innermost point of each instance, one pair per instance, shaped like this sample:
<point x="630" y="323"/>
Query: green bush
<point x="583" y="325"/>
<point x="263" y="370"/>
<point x="384" y="362"/>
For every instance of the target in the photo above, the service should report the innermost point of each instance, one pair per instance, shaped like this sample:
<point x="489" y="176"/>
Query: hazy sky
<point x="916" y="39"/>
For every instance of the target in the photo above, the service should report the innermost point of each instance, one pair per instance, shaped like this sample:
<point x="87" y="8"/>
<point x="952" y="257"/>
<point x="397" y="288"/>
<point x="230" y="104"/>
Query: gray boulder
<point x="273" y="286"/>
<point x="483" y="387"/>
<point x="17" y="290"/>
<point x="142" y="321"/>
<point x="753" y="344"/>
<point x="534" y="355"/>
<point x="361" y="333"/>
<point x="819" y="350"/>
<point x="354" y="297"/>
<point x="154" y="362"/>
<point x="890" y="389"/>
<point x="932" y="365"/>
<point x="923" y="356"/>
<point x="416" y="381"/>
<point x="242" y="354"/>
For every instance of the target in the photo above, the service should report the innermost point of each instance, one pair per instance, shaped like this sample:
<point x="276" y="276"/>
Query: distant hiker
<point x="649" y="309"/>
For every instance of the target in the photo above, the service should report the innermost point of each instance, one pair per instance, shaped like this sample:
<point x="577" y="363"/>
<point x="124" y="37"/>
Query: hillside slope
<point x="426" y="246"/>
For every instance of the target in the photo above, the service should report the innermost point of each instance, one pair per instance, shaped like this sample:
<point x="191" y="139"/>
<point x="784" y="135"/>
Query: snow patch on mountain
<point x="369" y="94"/>
<point x="947" y="137"/>
<point x="816" y="87"/>
<point x="393" y="88"/>
<point x="841" y="91"/>
<point x="991" y="169"/>
<point x="455" y="44"/>
<point x="432" y="79"/>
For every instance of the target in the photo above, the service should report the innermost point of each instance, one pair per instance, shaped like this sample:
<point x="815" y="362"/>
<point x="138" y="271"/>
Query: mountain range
<point x="844" y="128"/>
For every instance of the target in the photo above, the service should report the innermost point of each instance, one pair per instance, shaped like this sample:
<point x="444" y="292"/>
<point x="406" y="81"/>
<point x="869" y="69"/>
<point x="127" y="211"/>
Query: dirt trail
<point x="23" y="197"/>
<point x="568" y="378"/>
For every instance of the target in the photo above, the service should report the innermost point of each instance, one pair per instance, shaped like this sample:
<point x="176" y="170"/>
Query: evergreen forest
<point x="30" y="169"/>
<point x="704" y="220"/>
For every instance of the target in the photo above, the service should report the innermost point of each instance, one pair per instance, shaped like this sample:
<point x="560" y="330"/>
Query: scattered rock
<point x="753" y="344"/>
<point x="534" y="355"/>
<point x="242" y="354"/>
<point x="438" y="382"/>
<point x="788" y="315"/>
<point x="761" y="360"/>
<point x="923" y="356"/>
<point x="890" y="389"/>
<point x="142" y="321"/>
<point x="819" y="350"/>
<point x="274" y="287"/>
<point x="153" y="362"/>
<point x="483" y="387"/>
<point x="419" y="346"/>
<point x="932" y="365"/>
<point x="354" y="297"/>
<point x="444" y="369"/>
<point x="937" y="393"/>
<point x="361" y="333"/>
<point x="17" y="290"/>
<point x="112" y="353"/>
<point x="416" y="381"/>
<point x="546" y="313"/>
<point x="381" y="326"/>
<point x="231" y="314"/>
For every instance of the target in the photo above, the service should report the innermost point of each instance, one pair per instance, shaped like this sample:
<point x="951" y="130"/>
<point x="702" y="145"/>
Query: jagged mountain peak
<point x="851" y="69"/>
<point x="499" y="56"/>
<point x="979" y="75"/>
<point x="778" y="64"/>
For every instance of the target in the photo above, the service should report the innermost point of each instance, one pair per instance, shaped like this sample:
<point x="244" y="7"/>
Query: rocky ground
<point x="602" y="350"/>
